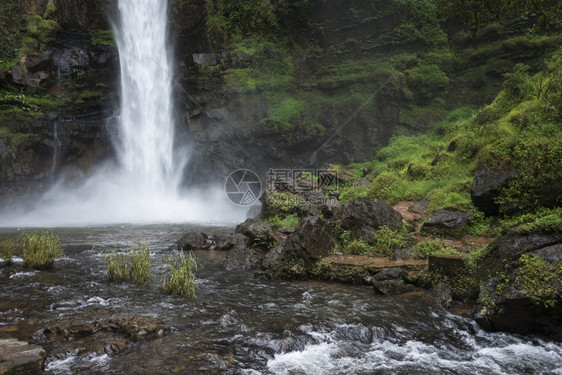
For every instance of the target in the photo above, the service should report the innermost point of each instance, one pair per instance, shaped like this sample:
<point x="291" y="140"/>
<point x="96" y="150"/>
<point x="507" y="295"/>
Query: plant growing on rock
<point x="41" y="249"/>
<point x="133" y="264"/>
<point x="540" y="279"/>
<point x="387" y="241"/>
<point x="181" y="278"/>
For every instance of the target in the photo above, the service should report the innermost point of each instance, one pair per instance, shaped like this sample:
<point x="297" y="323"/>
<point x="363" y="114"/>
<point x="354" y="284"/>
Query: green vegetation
<point x="9" y="247"/>
<point x="287" y="203"/>
<point x="423" y="249"/>
<point x="40" y="249"/>
<point x="132" y="264"/>
<point x="540" y="279"/>
<point x="181" y="279"/>
<point x="542" y="221"/>
<point x="287" y="221"/>
<point x="384" y="244"/>
<point x="11" y="31"/>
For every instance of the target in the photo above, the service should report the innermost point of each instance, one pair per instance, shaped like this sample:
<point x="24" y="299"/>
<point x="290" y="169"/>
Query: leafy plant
<point x="287" y="221"/>
<point x="41" y="249"/>
<point x="181" y="278"/>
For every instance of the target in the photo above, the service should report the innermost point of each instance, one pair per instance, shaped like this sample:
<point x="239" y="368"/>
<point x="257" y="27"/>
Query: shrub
<point x="41" y="249"/>
<point x="132" y="264"/>
<point x="181" y="279"/>
<point x="387" y="241"/>
<point x="8" y="250"/>
<point x="358" y="247"/>
<point x="422" y="250"/>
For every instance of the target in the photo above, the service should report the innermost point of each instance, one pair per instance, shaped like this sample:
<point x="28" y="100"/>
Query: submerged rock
<point x="18" y="357"/>
<point x="194" y="241"/>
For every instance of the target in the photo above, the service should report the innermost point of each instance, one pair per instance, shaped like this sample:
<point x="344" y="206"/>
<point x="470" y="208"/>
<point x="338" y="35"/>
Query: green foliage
<point x="542" y="221"/>
<point x="540" y="279"/>
<point x="283" y="202"/>
<point x="287" y="221"/>
<point x="420" y="21"/>
<point x="42" y="29"/>
<point x="423" y="249"/>
<point x="285" y="114"/>
<point x="131" y="264"/>
<point x="181" y="278"/>
<point x="270" y="67"/>
<point x="11" y="32"/>
<point x="102" y="37"/>
<point x="475" y="13"/>
<point x="387" y="241"/>
<point x="9" y="247"/>
<point x="40" y="249"/>
<point x="16" y="139"/>
<point x="352" y="193"/>
<point x="358" y="247"/>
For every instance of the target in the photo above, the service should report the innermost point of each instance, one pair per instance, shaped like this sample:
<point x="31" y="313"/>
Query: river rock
<point x="446" y="221"/>
<point x="242" y="257"/>
<point x="364" y="217"/>
<point x="255" y="230"/>
<point x="311" y="241"/>
<point x="391" y="281"/>
<point x="194" y="241"/>
<point x="441" y="294"/>
<point x="227" y="241"/>
<point x="503" y="301"/>
<point x="18" y="357"/>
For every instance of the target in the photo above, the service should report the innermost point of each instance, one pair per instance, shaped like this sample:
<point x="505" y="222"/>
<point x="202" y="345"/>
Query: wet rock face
<point x="505" y="303"/>
<point x="18" y="357"/>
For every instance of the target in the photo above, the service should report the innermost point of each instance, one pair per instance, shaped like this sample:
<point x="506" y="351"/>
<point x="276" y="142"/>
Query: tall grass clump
<point x="132" y="264"/>
<point x="41" y="249"/>
<point x="8" y="249"/>
<point x="181" y="278"/>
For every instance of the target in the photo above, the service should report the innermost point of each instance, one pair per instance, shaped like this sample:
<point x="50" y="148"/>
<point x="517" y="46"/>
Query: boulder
<point x="446" y="265"/>
<point x="227" y="241"/>
<point x="255" y="230"/>
<point x="242" y="257"/>
<point x="193" y="241"/>
<point x="446" y="221"/>
<point x="504" y="303"/>
<point x="364" y="217"/>
<point x="311" y="241"/>
<point x="487" y="186"/>
<point x="441" y="295"/>
<point x="18" y="357"/>
<point x="391" y="281"/>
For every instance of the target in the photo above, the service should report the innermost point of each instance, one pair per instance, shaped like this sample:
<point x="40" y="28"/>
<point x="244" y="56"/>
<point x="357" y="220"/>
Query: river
<point x="241" y="324"/>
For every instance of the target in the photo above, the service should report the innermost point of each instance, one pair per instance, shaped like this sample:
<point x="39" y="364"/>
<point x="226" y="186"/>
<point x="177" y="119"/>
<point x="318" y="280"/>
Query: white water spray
<point x="144" y="186"/>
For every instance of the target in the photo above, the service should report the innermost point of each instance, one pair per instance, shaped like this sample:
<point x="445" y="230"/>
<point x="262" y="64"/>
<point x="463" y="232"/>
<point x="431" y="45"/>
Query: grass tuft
<point x="41" y="249"/>
<point x="8" y="249"/>
<point x="181" y="278"/>
<point x="132" y="264"/>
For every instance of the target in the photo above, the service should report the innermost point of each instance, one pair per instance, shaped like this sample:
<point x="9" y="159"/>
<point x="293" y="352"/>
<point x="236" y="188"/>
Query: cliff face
<point x="307" y="84"/>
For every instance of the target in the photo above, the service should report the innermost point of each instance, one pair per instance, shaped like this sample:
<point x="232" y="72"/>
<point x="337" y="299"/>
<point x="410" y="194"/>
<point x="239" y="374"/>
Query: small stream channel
<point x="240" y="324"/>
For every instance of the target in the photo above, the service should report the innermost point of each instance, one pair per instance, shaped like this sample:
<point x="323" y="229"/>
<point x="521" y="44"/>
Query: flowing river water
<point x="241" y="324"/>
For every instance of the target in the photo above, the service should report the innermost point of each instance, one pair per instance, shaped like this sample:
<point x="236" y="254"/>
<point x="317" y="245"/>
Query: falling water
<point x="147" y="124"/>
<point x="144" y="185"/>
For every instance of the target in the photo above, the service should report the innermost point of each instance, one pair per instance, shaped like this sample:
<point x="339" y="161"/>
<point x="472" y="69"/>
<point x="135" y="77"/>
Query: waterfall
<point x="143" y="186"/>
<point x="147" y="124"/>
